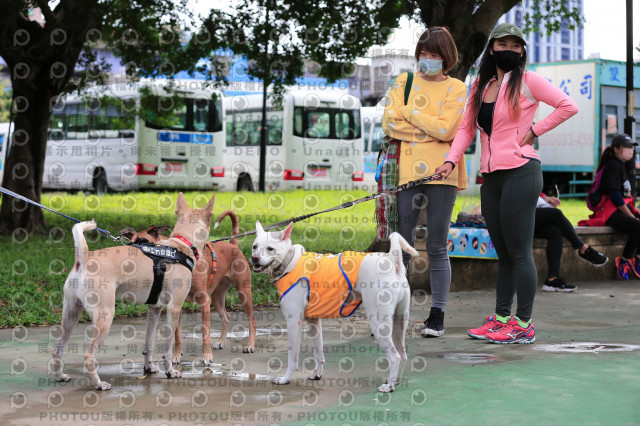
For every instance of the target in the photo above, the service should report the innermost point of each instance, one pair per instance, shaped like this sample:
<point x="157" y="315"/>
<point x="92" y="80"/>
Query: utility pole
<point x="629" y="120"/>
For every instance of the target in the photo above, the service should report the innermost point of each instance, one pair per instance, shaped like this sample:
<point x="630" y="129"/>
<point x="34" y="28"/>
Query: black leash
<point x="399" y="188"/>
<point x="20" y="197"/>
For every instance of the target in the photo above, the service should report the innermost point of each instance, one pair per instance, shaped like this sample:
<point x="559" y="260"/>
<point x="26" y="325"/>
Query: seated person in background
<point x="552" y="225"/>
<point x="614" y="204"/>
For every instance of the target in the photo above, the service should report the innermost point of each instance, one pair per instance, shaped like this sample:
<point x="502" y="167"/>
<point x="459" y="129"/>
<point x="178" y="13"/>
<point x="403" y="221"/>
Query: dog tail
<point x="399" y="244"/>
<point x="235" y="228"/>
<point x="80" y="241"/>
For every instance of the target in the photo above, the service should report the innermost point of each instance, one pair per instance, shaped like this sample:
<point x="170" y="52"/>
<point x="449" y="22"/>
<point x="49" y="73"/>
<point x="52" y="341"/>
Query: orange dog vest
<point x="329" y="277"/>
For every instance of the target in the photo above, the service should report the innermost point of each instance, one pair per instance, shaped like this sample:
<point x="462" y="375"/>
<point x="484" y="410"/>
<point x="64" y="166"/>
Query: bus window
<point x="70" y="118"/>
<point x="355" y="116"/>
<point x="244" y="128"/>
<point x="180" y="112"/>
<point x="367" y="132"/>
<point x="327" y="123"/>
<point x="342" y="126"/>
<point x="297" y="122"/>
<point x="229" y="120"/>
<point x="160" y="117"/>
<point x="318" y="124"/>
<point x="378" y="139"/>
<point x="201" y="115"/>
<point x="215" y="112"/>
<point x="82" y="121"/>
<point x="274" y="126"/>
<point x="56" y="126"/>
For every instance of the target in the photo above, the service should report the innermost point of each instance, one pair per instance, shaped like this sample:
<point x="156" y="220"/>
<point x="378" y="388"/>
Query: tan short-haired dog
<point x="99" y="277"/>
<point x="221" y="265"/>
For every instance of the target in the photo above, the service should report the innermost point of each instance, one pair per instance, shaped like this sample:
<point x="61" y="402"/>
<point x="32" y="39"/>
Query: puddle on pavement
<point x="470" y="358"/>
<point x="240" y="334"/>
<point x="570" y="323"/>
<point x="581" y="347"/>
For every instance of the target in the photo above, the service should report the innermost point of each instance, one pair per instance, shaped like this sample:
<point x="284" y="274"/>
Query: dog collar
<point x="278" y="273"/>
<point x="191" y="246"/>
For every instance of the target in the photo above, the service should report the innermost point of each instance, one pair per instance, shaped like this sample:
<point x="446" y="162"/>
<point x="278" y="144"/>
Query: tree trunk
<point x="469" y="24"/>
<point x="41" y="60"/>
<point x="24" y="165"/>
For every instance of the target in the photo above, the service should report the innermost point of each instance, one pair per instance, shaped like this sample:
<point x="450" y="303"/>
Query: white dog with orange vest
<point x="377" y="280"/>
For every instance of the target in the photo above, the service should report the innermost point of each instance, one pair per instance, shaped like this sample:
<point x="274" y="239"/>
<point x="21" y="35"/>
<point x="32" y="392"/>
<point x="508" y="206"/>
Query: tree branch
<point x="50" y="18"/>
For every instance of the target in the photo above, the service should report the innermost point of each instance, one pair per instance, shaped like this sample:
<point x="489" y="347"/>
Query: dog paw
<point x="151" y="369"/>
<point x="103" y="386"/>
<point x="249" y="349"/>
<point x="173" y="374"/>
<point x="63" y="378"/>
<point x="315" y="376"/>
<point x="281" y="381"/>
<point x="386" y="388"/>
<point x="218" y="345"/>
<point x="176" y="360"/>
<point x="207" y="361"/>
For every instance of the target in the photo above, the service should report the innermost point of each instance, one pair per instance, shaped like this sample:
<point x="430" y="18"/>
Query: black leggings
<point x="628" y="225"/>
<point x="508" y="199"/>
<point x="552" y="225"/>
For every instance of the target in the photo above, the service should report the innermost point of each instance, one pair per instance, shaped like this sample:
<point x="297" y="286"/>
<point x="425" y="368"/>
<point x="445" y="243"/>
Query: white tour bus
<point x="314" y="142"/>
<point x="5" y="131"/>
<point x="374" y="137"/>
<point x="149" y="135"/>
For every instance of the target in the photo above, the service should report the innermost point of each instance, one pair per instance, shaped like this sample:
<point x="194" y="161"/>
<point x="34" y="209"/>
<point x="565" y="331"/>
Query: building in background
<point x="564" y="45"/>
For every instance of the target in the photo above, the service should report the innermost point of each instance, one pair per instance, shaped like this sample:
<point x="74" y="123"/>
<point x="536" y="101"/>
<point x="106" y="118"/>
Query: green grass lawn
<point x="33" y="268"/>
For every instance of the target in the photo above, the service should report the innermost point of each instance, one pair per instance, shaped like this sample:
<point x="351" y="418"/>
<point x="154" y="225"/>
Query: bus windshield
<point x="327" y="123"/>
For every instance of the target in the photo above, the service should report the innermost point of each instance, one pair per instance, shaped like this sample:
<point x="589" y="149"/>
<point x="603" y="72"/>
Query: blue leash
<point x="20" y="197"/>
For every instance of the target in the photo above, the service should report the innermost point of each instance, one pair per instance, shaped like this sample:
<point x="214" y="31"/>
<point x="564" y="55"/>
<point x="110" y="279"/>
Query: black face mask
<point x="506" y="60"/>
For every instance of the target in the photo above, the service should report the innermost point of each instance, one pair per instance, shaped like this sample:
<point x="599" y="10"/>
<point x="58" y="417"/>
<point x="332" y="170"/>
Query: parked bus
<point x="5" y="131"/>
<point x="150" y="135"/>
<point x="374" y="138"/>
<point x="314" y="142"/>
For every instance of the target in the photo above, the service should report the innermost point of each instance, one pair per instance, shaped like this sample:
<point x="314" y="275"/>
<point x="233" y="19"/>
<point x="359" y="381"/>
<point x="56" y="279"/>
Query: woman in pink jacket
<point x="502" y="103"/>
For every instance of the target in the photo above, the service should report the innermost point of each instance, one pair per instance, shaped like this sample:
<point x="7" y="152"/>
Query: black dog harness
<point x="161" y="255"/>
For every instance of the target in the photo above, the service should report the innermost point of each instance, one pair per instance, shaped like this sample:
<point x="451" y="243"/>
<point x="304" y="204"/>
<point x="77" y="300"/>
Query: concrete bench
<point x="475" y="274"/>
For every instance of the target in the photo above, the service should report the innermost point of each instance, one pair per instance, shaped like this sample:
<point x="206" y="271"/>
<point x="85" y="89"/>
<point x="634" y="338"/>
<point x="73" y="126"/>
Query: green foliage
<point x="553" y="14"/>
<point x="5" y="102"/>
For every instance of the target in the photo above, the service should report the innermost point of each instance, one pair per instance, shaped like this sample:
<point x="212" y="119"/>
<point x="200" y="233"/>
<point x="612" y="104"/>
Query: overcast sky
<point x="605" y="29"/>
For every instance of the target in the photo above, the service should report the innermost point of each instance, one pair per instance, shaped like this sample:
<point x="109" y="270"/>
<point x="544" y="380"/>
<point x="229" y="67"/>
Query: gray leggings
<point x="508" y="199"/>
<point x="440" y="200"/>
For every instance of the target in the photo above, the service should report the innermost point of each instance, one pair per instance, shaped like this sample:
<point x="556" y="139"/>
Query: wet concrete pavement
<point x="583" y="369"/>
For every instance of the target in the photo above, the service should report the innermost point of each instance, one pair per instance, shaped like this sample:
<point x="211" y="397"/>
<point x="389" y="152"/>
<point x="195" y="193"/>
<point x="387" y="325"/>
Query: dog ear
<point x="259" y="228"/>
<point x="155" y="231"/>
<point x="163" y="229"/>
<point x="127" y="233"/>
<point x="209" y="207"/>
<point x="286" y="234"/>
<point x="181" y="203"/>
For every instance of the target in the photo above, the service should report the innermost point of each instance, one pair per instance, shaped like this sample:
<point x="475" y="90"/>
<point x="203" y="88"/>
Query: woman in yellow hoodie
<point x="425" y="126"/>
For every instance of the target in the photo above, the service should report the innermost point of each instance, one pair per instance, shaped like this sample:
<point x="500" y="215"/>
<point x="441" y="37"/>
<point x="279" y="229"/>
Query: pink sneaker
<point x="513" y="333"/>
<point x="491" y="324"/>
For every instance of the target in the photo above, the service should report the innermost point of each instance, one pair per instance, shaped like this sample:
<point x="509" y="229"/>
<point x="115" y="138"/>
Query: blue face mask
<point x="430" y="66"/>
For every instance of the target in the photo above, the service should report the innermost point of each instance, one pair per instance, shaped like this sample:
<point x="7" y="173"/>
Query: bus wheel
<point x="245" y="184"/>
<point x="100" y="183"/>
